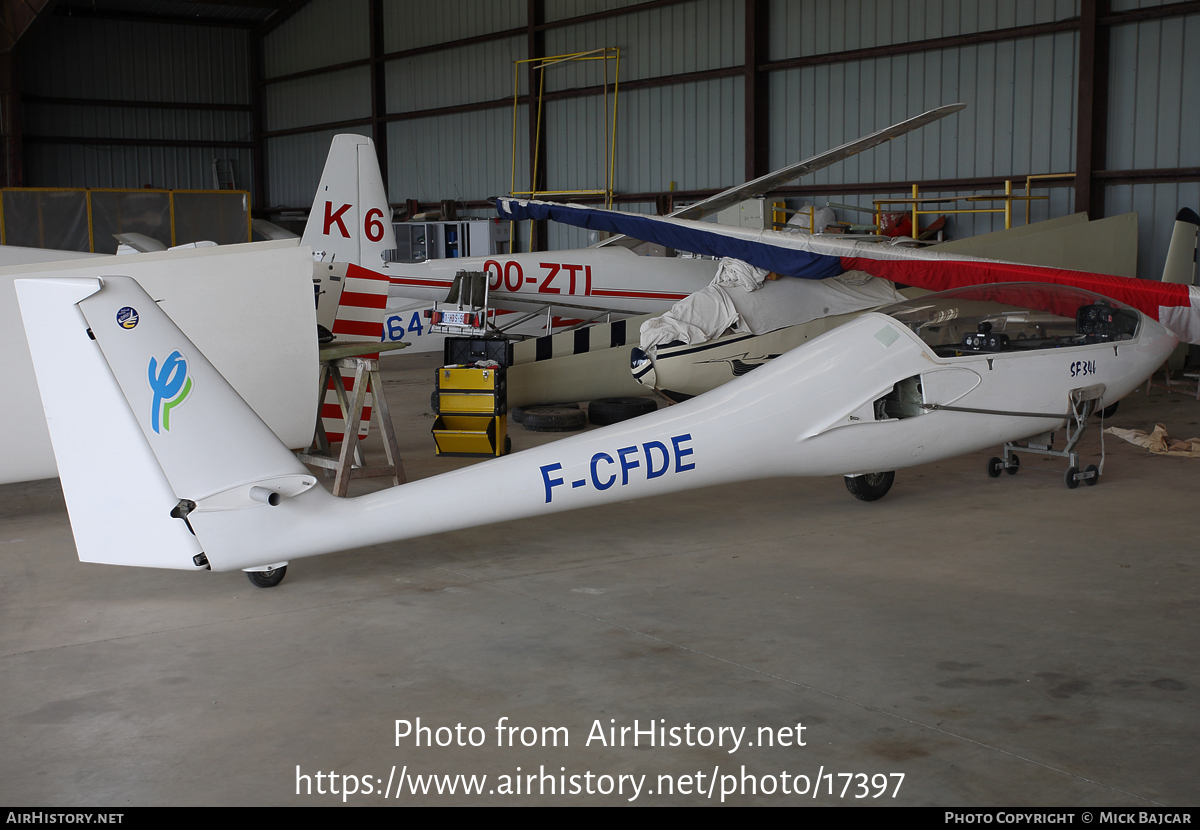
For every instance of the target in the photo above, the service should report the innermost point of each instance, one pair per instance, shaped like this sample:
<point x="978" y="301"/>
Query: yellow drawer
<point x="468" y="379"/>
<point x="463" y="403"/>
<point x="470" y="435"/>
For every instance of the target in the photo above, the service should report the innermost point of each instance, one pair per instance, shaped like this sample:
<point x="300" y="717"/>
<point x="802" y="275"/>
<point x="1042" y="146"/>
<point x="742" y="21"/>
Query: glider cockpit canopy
<point x="1014" y="317"/>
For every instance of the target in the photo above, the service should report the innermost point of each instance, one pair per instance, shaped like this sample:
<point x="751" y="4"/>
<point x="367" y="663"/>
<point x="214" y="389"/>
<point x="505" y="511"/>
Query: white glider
<point x="162" y="464"/>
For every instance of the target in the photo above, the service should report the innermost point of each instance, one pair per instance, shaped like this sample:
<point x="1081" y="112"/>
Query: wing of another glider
<point x="1176" y="305"/>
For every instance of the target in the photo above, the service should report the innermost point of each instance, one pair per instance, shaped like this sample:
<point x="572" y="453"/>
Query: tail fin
<point x="168" y="410"/>
<point x="1180" y="266"/>
<point x="118" y="498"/>
<point x="350" y="220"/>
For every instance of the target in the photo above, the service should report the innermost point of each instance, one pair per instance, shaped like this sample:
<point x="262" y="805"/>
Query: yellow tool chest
<point x="471" y="412"/>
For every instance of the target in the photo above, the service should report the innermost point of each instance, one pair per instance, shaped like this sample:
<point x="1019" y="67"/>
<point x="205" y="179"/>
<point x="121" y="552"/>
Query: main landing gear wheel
<point x="267" y="579"/>
<point x="870" y="487"/>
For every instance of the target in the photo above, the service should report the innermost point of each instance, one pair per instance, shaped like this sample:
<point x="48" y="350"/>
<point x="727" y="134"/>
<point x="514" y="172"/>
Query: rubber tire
<point x="507" y="445"/>
<point x="1109" y="411"/>
<point x="870" y="487"/>
<point x="434" y="402"/>
<point x="553" y="419"/>
<point x="1069" y="478"/>
<point x="1092" y="468"/>
<point x="516" y="414"/>
<point x="605" y="411"/>
<point x="1014" y="465"/>
<point x="267" y="579"/>
<point x="994" y="466"/>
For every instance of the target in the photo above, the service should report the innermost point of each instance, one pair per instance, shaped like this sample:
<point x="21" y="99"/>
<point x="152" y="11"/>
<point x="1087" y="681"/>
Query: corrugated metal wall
<point x="680" y="133"/>
<point x="1156" y="205"/>
<point x="321" y="33"/>
<point x="459" y="156"/>
<point x="1154" y="121"/>
<point x="1021" y="115"/>
<point x="295" y="163"/>
<point x="811" y="27"/>
<point x="408" y="25"/>
<point x="686" y="37"/>
<point x="319" y="99"/>
<point x="466" y="75"/>
<point x="1154" y="100"/>
<point x="564" y="9"/>
<point x="124" y="61"/>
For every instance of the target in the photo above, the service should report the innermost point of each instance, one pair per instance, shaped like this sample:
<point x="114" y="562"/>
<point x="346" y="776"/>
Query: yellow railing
<point x="605" y="54"/>
<point x="90" y="213"/>
<point x="916" y="202"/>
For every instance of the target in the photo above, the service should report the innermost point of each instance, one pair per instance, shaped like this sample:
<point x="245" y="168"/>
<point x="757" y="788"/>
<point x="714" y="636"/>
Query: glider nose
<point x="642" y="367"/>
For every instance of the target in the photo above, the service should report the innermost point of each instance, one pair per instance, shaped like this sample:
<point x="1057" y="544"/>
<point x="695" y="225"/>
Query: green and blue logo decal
<point x="171" y="386"/>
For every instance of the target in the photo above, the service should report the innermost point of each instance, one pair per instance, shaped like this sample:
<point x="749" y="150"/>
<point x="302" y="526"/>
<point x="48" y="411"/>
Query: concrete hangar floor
<point x="999" y="642"/>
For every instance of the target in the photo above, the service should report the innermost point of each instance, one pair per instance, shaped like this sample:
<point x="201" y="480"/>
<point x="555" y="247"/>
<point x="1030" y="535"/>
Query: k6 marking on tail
<point x="372" y="222"/>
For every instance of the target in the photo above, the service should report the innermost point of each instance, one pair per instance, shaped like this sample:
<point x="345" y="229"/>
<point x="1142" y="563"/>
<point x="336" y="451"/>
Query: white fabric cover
<point x="733" y="272"/>
<point x="775" y="304"/>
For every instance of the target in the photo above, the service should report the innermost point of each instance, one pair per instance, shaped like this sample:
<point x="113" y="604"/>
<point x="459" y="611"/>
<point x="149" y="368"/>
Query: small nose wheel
<point x="996" y="465"/>
<point x="1090" y="476"/>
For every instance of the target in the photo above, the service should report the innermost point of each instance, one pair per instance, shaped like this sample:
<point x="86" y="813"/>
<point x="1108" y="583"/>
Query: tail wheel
<point x="870" y="487"/>
<point x="267" y="579"/>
